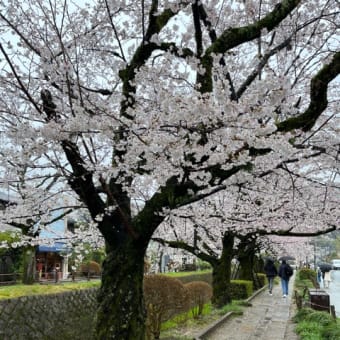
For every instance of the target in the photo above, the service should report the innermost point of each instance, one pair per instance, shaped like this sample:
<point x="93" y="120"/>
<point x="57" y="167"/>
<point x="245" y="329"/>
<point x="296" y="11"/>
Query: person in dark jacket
<point x="271" y="272"/>
<point x="285" y="272"/>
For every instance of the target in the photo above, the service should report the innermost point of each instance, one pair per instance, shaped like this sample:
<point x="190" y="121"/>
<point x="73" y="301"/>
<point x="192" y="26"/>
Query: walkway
<point x="268" y="318"/>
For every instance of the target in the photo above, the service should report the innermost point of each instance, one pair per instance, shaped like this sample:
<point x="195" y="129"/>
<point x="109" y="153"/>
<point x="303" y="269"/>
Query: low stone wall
<point x="64" y="316"/>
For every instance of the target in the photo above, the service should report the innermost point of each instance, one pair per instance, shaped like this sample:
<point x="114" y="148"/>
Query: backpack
<point x="289" y="270"/>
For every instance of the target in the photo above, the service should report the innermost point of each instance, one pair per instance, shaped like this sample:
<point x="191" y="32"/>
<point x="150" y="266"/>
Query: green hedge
<point x="262" y="278"/>
<point x="241" y="289"/>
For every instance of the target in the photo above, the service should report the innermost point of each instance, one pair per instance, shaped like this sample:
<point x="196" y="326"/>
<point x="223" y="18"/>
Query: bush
<point x="309" y="274"/>
<point x="203" y="265"/>
<point x="199" y="293"/>
<point x="306" y="274"/>
<point x="314" y="325"/>
<point x="164" y="298"/>
<point x="90" y="268"/>
<point x="322" y="318"/>
<point x="241" y="289"/>
<point x="302" y="314"/>
<point x="309" y="330"/>
<point x="331" y="332"/>
<point x="262" y="279"/>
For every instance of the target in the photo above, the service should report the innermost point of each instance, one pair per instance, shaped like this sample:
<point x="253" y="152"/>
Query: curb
<point x="225" y="317"/>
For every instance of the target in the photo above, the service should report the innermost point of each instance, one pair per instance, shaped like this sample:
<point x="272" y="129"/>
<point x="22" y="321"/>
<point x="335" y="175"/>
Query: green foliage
<point x="184" y="318"/>
<point x="302" y="314"/>
<point x="306" y="274"/>
<point x="309" y="274"/>
<point x="236" y="307"/>
<point x="331" y="332"/>
<point x="262" y="278"/>
<point x="316" y="325"/>
<point x="15" y="254"/>
<point x="309" y="330"/>
<point x="9" y="237"/>
<point x="203" y="265"/>
<point x="14" y="291"/>
<point x="241" y="289"/>
<point x="322" y="318"/>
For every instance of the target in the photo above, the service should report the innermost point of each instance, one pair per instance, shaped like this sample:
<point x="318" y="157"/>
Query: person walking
<point x="319" y="275"/>
<point x="327" y="279"/>
<point x="270" y="271"/>
<point x="285" y="272"/>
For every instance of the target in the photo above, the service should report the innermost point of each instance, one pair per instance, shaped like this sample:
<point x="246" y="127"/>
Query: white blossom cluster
<point x="139" y="119"/>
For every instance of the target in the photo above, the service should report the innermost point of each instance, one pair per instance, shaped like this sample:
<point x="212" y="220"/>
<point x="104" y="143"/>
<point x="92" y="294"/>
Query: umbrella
<point x="325" y="267"/>
<point x="269" y="258"/>
<point x="286" y="258"/>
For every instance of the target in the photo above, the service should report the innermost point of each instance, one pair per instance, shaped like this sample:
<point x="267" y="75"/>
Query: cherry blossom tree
<point x="243" y="220"/>
<point x="182" y="96"/>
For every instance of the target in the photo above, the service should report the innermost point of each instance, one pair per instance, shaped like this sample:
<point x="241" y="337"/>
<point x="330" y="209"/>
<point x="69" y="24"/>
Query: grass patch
<point x="180" y="274"/>
<point x="182" y="326"/>
<point x="309" y="330"/>
<point x="14" y="291"/>
<point x="236" y="307"/>
<point x="184" y="318"/>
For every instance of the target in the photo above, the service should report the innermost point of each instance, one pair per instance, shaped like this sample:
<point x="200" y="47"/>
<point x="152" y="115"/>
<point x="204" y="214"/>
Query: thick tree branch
<point x="236" y="36"/>
<point x="198" y="30"/>
<point x="188" y="248"/>
<point x="318" y="98"/>
<point x="143" y="52"/>
<point x="289" y="232"/>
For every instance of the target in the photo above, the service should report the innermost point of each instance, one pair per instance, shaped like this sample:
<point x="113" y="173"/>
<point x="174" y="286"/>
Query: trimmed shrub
<point x="199" y="293"/>
<point x="262" y="279"/>
<point x="306" y="274"/>
<point x="206" y="277"/>
<point x="164" y="297"/>
<point x="241" y="289"/>
<point x="90" y="268"/>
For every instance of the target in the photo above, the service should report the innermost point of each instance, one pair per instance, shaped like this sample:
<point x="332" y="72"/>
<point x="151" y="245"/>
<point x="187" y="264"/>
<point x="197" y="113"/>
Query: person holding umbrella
<point x="271" y="272"/>
<point x="327" y="279"/>
<point x="325" y="270"/>
<point x="285" y="272"/>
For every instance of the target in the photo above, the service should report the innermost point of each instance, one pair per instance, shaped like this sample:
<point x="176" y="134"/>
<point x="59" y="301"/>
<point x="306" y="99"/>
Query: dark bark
<point x="121" y="313"/>
<point x="246" y="255"/>
<point x="222" y="273"/>
<point x="318" y="98"/>
<point x="246" y="268"/>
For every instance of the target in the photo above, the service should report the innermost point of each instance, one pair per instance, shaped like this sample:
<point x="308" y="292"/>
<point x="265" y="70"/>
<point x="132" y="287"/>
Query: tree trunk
<point x="246" y="268"/>
<point x="28" y="265"/>
<point x="222" y="273"/>
<point x="121" y="313"/>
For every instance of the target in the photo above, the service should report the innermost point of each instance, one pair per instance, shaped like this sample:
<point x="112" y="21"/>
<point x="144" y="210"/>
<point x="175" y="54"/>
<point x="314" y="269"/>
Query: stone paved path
<point x="267" y="319"/>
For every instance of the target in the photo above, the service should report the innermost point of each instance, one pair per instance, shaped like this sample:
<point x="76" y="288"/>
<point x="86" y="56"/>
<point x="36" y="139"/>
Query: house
<point x="52" y="253"/>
